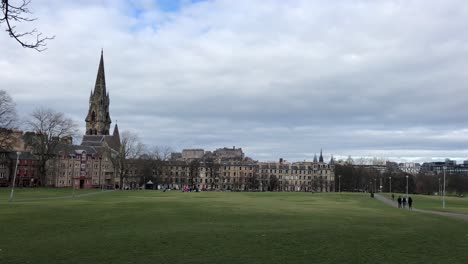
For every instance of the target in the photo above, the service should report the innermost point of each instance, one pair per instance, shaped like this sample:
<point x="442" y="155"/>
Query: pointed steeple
<point x="321" y="156"/>
<point x="315" y="157"/>
<point x="116" y="135"/>
<point x="332" y="161"/>
<point x="98" y="119"/>
<point x="100" y="86"/>
<point x="116" y="130"/>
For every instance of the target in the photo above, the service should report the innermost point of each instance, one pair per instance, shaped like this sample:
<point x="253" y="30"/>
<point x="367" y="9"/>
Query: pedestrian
<point x="410" y="203"/>
<point x="399" y="201"/>
<point x="404" y="202"/>
<point x="393" y="197"/>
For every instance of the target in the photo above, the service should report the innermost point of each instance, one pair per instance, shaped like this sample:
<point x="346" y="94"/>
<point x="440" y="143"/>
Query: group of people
<point x="190" y="189"/>
<point x="403" y="201"/>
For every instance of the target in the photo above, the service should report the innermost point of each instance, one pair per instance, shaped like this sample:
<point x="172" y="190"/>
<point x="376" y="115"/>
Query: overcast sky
<point x="277" y="78"/>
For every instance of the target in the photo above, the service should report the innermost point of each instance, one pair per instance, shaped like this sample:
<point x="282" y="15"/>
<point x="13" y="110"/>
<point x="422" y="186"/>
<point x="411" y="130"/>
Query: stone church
<point x="89" y="165"/>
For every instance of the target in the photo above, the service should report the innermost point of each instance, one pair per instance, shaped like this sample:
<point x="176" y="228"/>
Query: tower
<point x="98" y="119"/>
<point x="321" y="157"/>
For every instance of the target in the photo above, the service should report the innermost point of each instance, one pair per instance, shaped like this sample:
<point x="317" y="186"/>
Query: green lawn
<point x="175" y="227"/>
<point x="432" y="202"/>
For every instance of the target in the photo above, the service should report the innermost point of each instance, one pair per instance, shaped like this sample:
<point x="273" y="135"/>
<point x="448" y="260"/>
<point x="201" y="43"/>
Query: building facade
<point x="89" y="164"/>
<point x="233" y="173"/>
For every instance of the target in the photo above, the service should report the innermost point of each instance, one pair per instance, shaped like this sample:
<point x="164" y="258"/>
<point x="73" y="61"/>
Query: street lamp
<point x="390" y="178"/>
<point x="14" y="177"/>
<point x="339" y="183"/>
<point x="407" y="187"/>
<point x="443" y="192"/>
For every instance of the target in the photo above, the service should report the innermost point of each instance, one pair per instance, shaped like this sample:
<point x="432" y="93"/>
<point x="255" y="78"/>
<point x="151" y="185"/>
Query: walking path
<point x="395" y="204"/>
<point x="61" y="197"/>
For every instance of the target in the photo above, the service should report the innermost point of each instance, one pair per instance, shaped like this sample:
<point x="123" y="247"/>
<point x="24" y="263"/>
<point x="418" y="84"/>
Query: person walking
<point x="404" y="202"/>
<point x="399" y="201"/>
<point x="393" y="197"/>
<point x="410" y="203"/>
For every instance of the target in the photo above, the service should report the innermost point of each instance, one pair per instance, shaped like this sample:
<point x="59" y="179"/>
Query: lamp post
<point x="390" y="178"/>
<point x="14" y="177"/>
<point x="407" y="187"/>
<point x="443" y="191"/>
<point x="339" y="183"/>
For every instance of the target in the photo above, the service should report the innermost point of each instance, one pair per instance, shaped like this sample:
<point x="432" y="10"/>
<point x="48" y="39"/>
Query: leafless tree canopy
<point x="17" y="11"/>
<point x="7" y="120"/>
<point x="130" y="145"/>
<point x="162" y="153"/>
<point x="131" y="148"/>
<point x="47" y="128"/>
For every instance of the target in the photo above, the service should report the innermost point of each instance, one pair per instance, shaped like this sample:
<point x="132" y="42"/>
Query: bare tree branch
<point x="18" y="13"/>
<point x="130" y="149"/>
<point x="47" y="128"/>
<point x="7" y="120"/>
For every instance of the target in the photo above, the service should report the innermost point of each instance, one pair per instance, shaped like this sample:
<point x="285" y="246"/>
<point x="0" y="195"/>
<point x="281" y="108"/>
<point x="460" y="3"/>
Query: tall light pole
<point x="407" y="187"/>
<point x="390" y="178"/>
<point x="14" y="177"/>
<point x="339" y="183"/>
<point x="443" y="192"/>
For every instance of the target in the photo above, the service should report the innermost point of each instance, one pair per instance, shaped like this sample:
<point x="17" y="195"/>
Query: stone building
<point x="191" y="154"/>
<point x="89" y="164"/>
<point x="26" y="171"/>
<point x="231" y="173"/>
<point x="306" y="176"/>
<point x="6" y="167"/>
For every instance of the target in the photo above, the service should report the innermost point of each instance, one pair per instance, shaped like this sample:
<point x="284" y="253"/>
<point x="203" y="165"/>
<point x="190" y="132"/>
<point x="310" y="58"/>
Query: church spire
<point x="321" y="156"/>
<point x="98" y="119"/>
<point x="116" y="131"/>
<point x="100" y="86"/>
<point x="315" y="158"/>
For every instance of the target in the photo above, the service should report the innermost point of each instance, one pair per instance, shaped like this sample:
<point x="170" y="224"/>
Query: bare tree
<point x="161" y="152"/>
<point x="194" y="172"/>
<point x="130" y="149"/>
<point x="47" y="128"/>
<point x="15" y="12"/>
<point x="154" y="163"/>
<point x="7" y="120"/>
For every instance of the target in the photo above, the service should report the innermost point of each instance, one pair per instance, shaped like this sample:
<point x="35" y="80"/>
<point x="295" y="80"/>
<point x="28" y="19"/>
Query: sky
<point x="281" y="79"/>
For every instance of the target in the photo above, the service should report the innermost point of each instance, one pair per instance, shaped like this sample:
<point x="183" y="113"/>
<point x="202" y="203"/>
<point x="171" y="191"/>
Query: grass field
<point x="452" y="204"/>
<point x="175" y="227"/>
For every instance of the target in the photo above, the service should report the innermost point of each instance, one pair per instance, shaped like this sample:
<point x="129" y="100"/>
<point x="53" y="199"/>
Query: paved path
<point x="61" y="197"/>
<point x="395" y="204"/>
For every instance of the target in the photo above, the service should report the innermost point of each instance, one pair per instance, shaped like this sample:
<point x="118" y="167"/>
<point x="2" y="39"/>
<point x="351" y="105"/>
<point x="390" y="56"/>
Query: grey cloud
<point x="279" y="78"/>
